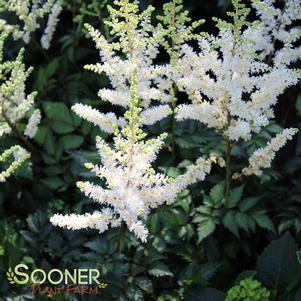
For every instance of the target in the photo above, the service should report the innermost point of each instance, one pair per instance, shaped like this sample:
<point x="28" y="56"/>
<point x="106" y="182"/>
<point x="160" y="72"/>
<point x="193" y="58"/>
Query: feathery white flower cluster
<point x="105" y="121"/>
<point x="53" y="19"/>
<point x="14" y="104"/>
<point x="235" y="93"/>
<point x="277" y="24"/>
<point x="133" y="188"/>
<point x="29" y="12"/>
<point x="32" y="125"/>
<point x="263" y="157"/>
<point x="232" y="90"/>
<point x="178" y="30"/>
<point x="179" y="27"/>
<point x="136" y="49"/>
<point x="99" y="220"/>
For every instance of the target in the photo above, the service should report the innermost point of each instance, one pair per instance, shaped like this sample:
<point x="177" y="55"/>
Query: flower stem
<point x="174" y="123"/>
<point x="228" y="169"/>
<point x="121" y="235"/>
<point x="174" y="90"/>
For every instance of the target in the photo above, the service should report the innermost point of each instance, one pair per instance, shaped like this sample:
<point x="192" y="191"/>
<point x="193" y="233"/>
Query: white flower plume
<point x="32" y="125"/>
<point x="105" y="121"/>
<point x="263" y="157"/>
<point x="133" y="188"/>
<point x="53" y="19"/>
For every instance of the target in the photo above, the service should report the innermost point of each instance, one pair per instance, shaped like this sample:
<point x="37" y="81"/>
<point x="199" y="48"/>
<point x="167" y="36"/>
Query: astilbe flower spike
<point x="278" y="25"/>
<point x="14" y="103"/>
<point x="232" y="88"/>
<point x="15" y="106"/>
<point x="133" y="187"/>
<point x="179" y="29"/>
<point x="135" y="45"/>
<point x="53" y="19"/>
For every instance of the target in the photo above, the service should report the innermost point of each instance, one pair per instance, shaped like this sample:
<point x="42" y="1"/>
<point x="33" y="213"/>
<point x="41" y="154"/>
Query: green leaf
<point x="77" y="121"/>
<point x="99" y="246"/>
<point x="86" y="128"/>
<point x="51" y="67"/>
<point x="41" y="134"/>
<point x="205" y="228"/>
<point x="208" y="270"/>
<point x="248" y="203"/>
<point x="71" y="141"/>
<point x="54" y="183"/>
<point x="251" y="223"/>
<point x="235" y="196"/>
<point x="96" y="131"/>
<point x="145" y="284"/>
<point x="186" y="142"/>
<point x="49" y="144"/>
<point x="159" y="269"/>
<point x="58" y="111"/>
<point x="52" y="170"/>
<point x="48" y="159"/>
<point x="263" y="221"/>
<point x="230" y="223"/>
<point x="154" y="223"/>
<point x="62" y="127"/>
<point x="44" y="82"/>
<point x="173" y="172"/>
<point x="217" y="193"/>
<point x="278" y="265"/>
<point x="134" y="293"/>
<point x="33" y="224"/>
<point x="242" y="220"/>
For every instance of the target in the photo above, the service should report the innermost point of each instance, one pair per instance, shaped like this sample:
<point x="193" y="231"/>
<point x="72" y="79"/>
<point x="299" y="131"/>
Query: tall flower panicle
<point x="279" y="25"/>
<point x="263" y="157"/>
<point x="134" y="46"/>
<point x="32" y="125"/>
<point x="178" y="30"/>
<point x="231" y="88"/>
<point x="53" y="19"/>
<point x="132" y="187"/>
<point x="179" y="27"/>
<point x="15" y="105"/>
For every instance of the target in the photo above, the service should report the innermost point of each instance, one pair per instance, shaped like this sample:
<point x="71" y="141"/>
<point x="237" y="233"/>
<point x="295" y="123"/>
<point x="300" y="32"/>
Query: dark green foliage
<point x="278" y="265"/>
